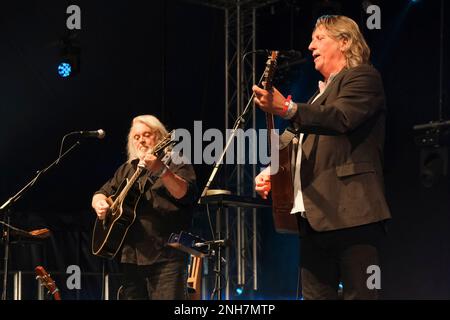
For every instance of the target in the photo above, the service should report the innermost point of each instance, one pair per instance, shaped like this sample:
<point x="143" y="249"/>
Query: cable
<point x="210" y="223"/>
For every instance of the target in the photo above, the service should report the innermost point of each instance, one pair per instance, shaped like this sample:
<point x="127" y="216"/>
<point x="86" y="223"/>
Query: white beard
<point x="141" y="152"/>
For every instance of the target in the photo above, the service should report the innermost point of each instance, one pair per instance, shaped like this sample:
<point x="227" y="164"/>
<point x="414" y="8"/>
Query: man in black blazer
<point x="340" y="203"/>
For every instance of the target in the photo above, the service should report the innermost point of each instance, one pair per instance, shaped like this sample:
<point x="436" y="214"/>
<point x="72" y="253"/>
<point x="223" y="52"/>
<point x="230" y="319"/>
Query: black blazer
<point x="341" y="170"/>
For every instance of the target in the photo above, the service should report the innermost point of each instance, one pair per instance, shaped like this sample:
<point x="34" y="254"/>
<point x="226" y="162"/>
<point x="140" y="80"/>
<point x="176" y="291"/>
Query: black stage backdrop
<point x="167" y="58"/>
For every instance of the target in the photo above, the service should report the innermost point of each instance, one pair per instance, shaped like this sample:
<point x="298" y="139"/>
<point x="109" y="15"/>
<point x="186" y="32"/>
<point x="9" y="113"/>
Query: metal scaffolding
<point x="240" y="224"/>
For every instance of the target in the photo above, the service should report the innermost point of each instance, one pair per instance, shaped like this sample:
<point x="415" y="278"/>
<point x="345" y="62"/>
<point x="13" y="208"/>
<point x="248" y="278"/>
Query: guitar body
<point x="109" y="234"/>
<point x="283" y="194"/>
<point x="282" y="181"/>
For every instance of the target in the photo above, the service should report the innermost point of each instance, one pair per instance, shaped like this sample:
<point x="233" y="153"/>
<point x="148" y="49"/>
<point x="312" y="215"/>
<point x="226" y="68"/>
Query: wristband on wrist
<point x="292" y="109"/>
<point x="286" y="105"/>
<point x="289" y="108"/>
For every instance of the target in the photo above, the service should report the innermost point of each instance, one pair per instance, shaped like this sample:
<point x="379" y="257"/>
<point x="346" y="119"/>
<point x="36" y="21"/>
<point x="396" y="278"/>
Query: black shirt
<point x="158" y="214"/>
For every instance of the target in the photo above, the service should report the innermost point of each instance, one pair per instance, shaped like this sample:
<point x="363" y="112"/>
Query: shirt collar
<point x="323" y="84"/>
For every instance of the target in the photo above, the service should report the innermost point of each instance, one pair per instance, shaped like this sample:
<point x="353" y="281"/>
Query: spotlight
<point x="69" y="63"/>
<point x="239" y="290"/>
<point x="64" y="69"/>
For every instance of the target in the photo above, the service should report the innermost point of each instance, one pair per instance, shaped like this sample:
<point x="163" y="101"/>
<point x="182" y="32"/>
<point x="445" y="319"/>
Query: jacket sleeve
<point x="360" y="96"/>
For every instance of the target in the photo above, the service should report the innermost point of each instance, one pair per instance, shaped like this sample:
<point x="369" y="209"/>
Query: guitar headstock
<point x="47" y="281"/>
<point x="271" y="65"/>
<point x="165" y="144"/>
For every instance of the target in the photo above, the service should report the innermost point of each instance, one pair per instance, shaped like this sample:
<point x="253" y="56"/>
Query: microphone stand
<point x="236" y="125"/>
<point x="218" y="253"/>
<point x="6" y="207"/>
<point x="215" y="248"/>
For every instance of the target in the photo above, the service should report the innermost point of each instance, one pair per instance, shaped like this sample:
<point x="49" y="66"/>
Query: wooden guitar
<point x="47" y="282"/>
<point x="109" y="233"/>
<point x="282" y="181"/>
<point x="194" y="281"/>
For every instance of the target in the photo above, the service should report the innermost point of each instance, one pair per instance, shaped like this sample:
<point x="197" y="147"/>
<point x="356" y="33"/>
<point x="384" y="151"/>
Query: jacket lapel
<point x="325" y="94"/>
<point x="308" y="143"/>
<point x="312" y="97"/>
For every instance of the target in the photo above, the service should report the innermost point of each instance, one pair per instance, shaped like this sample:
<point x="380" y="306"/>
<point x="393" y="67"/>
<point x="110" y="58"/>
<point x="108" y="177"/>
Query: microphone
<point x="100" y="134"/>
<point x="221" y="243"/>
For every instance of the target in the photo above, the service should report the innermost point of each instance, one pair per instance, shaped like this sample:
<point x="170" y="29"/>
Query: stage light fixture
<point x="64" y="69"/>
<point x="69" y="62"/>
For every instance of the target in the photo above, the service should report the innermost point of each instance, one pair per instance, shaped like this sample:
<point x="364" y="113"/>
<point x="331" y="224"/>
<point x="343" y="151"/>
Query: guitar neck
<point x="158" y="152"/>
<point x="130" y="183"/>
<point x="56" y="295"/>
<point x="268" y="76"/>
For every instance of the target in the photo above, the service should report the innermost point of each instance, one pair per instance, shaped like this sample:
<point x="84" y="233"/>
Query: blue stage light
<point x="70" y="55"/>
<point x="239" y="290"/>
<point x="64" y="69"/>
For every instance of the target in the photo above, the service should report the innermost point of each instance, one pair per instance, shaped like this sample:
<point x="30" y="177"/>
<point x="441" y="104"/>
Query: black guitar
<point x="109" y="233"/>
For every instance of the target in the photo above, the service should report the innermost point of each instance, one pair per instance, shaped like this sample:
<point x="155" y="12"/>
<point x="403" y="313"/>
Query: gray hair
<point x="153" y="123"/>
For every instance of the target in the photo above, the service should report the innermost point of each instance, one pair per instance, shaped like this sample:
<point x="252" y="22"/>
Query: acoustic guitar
<point x="109" y="233"/>
<point x="47" y="282"/>
<point x="282" y="181"/>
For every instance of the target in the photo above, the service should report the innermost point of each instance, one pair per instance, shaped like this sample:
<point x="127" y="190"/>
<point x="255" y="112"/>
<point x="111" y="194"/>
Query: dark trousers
<point x="161" y="281"/>
<point x="340" y="256"/>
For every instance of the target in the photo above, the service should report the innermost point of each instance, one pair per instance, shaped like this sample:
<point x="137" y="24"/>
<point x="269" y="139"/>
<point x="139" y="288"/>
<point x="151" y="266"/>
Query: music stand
<point x="222" y="201"/>
<point x="6" y="207"/>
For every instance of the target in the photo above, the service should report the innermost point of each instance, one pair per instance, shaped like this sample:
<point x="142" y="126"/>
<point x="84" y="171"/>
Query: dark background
<point x="167" y="58"/>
